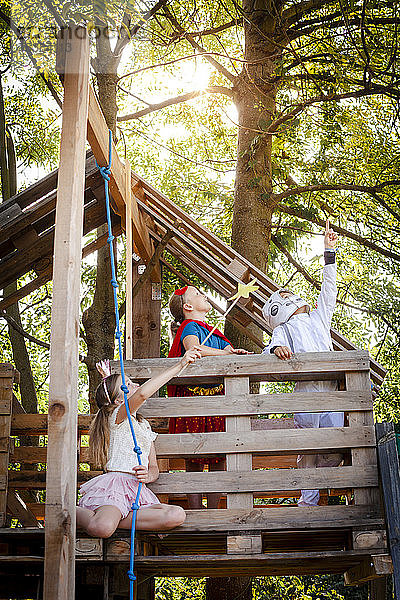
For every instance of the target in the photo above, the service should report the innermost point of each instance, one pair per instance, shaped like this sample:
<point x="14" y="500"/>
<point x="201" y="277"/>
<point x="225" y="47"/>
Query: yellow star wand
<point x="244" y="291"/>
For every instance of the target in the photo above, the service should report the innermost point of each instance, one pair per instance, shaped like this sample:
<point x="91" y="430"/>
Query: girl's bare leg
<point x="214" y="498"/>
<point x="83" y="516"/>
<point x="194" y="500"/>
<point x="160" y="517"/>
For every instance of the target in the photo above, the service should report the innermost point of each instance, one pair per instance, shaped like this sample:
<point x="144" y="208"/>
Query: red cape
<point x="176" y="349"/>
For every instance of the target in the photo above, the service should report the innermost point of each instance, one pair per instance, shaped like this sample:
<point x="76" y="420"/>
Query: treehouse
<point x="257" y="529"/>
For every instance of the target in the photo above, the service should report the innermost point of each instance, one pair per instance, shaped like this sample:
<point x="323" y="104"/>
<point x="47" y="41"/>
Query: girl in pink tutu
<point x="107" y="499"/>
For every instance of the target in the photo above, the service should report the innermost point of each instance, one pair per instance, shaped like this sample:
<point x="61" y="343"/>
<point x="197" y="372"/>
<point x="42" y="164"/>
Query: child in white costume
<point x="298" y="329"/>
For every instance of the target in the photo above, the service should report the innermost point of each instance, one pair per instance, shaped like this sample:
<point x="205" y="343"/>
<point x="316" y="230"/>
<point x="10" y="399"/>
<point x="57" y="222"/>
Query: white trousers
<point x="307" y="461"/>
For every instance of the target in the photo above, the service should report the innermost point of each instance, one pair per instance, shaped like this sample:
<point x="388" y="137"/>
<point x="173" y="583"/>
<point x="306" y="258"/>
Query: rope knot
<point x="110" y="239"/>
<point x="125" y="389"/>
<point x="135" y="506"/>
<point x="105" y="172"/>
<point x="131" y="576"/>
<point x="138" y="450"/>
<point x="118" y="335"/>
<point x="114" y="283"/>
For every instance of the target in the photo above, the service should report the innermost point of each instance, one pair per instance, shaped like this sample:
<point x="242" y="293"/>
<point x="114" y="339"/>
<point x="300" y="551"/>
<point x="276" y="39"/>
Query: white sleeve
<point x="278" y="338"/>
<point x="327" y="297"/>
<point x="152" y="435"/>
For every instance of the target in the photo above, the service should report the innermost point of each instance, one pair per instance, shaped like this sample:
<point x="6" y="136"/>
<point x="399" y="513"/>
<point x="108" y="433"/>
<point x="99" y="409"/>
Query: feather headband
<point x="104" y="369"/>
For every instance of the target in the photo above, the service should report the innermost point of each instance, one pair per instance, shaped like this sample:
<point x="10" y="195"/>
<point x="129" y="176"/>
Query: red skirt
<point x="199" y="424"/>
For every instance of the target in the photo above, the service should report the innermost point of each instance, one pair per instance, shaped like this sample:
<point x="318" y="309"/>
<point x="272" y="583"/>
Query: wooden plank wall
<point x="260" y="460"/>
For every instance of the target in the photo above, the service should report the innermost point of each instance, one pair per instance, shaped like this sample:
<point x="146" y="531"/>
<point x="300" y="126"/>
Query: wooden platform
<point x="258" y="529"/>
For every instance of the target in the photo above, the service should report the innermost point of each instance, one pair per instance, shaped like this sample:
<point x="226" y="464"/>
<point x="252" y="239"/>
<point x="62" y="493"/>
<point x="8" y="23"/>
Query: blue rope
<point x="105" y="173"/>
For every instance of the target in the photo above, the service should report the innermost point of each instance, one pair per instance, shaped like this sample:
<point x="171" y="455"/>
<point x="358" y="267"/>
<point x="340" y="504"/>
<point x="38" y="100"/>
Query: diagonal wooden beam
<point x="97" y="135"/>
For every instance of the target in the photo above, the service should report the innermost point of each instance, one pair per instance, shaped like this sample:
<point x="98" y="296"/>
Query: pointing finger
<point x="327" y="227"/>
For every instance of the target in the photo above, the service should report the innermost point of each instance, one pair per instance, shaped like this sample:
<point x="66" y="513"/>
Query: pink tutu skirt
<point x="115" y="489"/>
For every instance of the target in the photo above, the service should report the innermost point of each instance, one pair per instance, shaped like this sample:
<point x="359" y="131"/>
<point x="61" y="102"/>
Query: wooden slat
<point x="37" y="454"/>
<point x="369" y="538"/>
<point x="5" y="396"/>
<point x="59" y="568"/>
<point x="39" y="255"/>
<point x="280" y="518"/>
<point x="48" y="273"/>
<point x="277" y="563"/>
<point x="238" y="427"/>
<point x="305" y="366"/>
<point x="31" y="480"/>
<point x="259" y="404"/>
<point x="37" y="423"/>
<point x="221" y="481"/>
<point x="298" y="440"/>
<point x="263" y="481"/>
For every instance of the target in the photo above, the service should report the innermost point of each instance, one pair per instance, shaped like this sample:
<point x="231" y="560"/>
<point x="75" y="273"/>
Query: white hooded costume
<point x="308" y="332"/>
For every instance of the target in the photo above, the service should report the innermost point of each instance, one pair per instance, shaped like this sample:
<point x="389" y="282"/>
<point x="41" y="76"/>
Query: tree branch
<point x="27" y="49"/>
<point x="296" y="12"/>
<point x="323" y="187"/>
<point x="13" y="323"/>
<point x="21" y="331"/>
<point x="125" y="36"/>
<point x="170" y="62"/>
<point x="294" y="262"/>
<point x="329" y="98"/>
<point x="218" y="29"/>
<point x="293" y="34"/>
<point x="345" y="232"/>
<point x="197" y="46"/>
<point x="176" y="100"/>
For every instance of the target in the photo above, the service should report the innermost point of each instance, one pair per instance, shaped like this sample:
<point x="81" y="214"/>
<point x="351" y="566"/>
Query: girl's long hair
<point x="99" y="431"/>
<point x="176" y="309"/>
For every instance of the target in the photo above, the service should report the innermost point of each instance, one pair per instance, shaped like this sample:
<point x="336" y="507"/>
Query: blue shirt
<point x="215" y="341"/>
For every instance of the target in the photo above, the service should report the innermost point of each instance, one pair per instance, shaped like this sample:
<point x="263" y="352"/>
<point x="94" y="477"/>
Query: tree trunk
<point x="255" y="99"/>
<point x="254" y="96"/>
<point x="99" y="320"/>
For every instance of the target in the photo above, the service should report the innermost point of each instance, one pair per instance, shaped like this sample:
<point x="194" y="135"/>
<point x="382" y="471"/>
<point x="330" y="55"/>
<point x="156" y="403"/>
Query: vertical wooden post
<point x="7" y="376"/>
<point x="129" y="252"/>
<point x="389" y="469"/>
<point x="59" y="567"/>
<point x="243" y="461"/>
<point x="146" y="317"/>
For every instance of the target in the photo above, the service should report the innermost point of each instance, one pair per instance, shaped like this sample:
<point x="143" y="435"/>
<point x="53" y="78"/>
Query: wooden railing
<point x="260" y="450"/>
